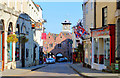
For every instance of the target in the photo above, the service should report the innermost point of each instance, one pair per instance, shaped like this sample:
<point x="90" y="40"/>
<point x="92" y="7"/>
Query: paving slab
<point x="87" y="72"/>
<point x="18" y="71"/>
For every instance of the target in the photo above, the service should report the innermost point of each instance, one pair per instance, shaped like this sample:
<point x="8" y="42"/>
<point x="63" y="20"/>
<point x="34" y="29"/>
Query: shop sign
<point x="43" y="36"/>
<point x="38" y="26"/>
<point x="33" y="26"/>
<point x="1" y="26"/>
<point x="100" y="32"/>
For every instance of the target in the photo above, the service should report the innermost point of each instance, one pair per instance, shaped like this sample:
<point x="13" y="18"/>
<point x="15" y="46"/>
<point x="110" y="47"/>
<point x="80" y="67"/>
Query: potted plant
<point x="23" y="39"/>
<point x="12" y="38"/>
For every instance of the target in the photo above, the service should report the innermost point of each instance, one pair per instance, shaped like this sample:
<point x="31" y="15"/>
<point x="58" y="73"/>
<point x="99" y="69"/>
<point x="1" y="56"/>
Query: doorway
<point x="23" y="54"/>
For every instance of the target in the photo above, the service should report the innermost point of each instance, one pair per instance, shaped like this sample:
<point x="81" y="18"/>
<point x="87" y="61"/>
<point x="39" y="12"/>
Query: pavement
<point x="92" y="73"/>
<point x="19" y="71"/>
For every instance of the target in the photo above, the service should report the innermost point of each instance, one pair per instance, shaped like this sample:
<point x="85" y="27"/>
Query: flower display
<point x="12" y="38"/>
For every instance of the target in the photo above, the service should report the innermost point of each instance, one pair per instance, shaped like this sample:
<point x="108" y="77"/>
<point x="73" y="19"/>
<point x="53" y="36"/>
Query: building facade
<point x="16" y="17"/>
<point x="117" y="15"/>
<point x="59" y="43"/>
<point x="88" y="22"/>
<point x="99" y="18"/>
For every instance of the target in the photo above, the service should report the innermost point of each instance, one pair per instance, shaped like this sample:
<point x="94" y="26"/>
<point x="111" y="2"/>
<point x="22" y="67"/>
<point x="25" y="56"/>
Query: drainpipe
<point x="94" y="13"/>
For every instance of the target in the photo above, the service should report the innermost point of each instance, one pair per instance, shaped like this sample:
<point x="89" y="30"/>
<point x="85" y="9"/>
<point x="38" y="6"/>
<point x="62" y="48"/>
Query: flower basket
<point x="12" y="38"/>
<point x="23" y="39"/>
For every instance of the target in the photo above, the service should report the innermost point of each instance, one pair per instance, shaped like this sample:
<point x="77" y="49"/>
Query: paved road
<point x="58" y="69"/>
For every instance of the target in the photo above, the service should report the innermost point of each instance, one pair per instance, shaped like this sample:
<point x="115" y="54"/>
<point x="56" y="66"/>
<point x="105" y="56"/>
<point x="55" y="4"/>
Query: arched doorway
<point x="118" y="37"/>
<point x="58" y="56"/>
<point x="2" y="41"/>
<point x="23" y="49"/>
<point x="10" y="45"/>
<point x="17" y="48"/>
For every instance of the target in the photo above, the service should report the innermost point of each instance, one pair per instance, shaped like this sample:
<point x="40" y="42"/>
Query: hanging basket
<point x="23" y="39"/>
<point x="12" y="38"/>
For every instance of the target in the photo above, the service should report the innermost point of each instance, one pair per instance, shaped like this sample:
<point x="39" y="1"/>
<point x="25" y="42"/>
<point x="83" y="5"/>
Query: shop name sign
<point x="100" y="32"/>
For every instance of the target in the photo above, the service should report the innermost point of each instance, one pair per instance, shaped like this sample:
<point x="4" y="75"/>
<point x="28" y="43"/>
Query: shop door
<point x="2" y="35"/>
<point x="23" y="54"/>
<point x="107" y="53"/>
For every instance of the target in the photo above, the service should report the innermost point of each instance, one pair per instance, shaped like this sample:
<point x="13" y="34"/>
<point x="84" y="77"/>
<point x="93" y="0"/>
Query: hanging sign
<point x="33" y="26"/>
<point x="38" y="26"/>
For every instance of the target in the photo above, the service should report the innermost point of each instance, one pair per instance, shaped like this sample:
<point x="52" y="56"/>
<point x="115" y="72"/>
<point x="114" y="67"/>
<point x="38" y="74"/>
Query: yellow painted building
<point x="103" y="35"/>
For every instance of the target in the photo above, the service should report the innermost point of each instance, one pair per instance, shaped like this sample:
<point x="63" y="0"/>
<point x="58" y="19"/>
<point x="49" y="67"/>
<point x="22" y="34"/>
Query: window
<point x="51" y="45"/>
<point x="86" y="8"/>
<point x="59" y="45"/>
<point x="104" y="16"/>
<point x="96" y="50"/>
<point x="92" y="25"/>
<point x="91" y="4"/>
<point x="118" y="5"/>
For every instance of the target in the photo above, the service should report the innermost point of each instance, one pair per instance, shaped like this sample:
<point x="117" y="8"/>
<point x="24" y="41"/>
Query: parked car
<point x="65" y="59"/>
<point x="62" y="59"/>
<point x="50" y="60"/>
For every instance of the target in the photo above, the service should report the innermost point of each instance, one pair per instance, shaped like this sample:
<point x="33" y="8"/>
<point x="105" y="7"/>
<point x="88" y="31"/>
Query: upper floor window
<point x="104" y="16"/>
<point x="51" y="45"/>
<point x="118" y="5"/>
<point x="59" y="45"/>
<point x="91" y="4"/>
<point x="86" y="8"/>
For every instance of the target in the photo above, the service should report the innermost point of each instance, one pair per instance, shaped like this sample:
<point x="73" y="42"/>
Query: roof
<point x="54" y="35"/>
<point x="37" y="5"/>
<point x="66" y="22"/>
<point x="66" y="34"/>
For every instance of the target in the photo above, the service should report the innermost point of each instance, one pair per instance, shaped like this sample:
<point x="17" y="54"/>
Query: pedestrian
<point x="44" y="60"/>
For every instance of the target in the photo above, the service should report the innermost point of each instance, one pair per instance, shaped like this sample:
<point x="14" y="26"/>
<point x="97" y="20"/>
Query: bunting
<point x="79" y="30"/>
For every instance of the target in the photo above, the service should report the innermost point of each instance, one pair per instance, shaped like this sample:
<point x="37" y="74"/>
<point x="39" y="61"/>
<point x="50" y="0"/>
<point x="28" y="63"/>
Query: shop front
<point x="103" y="47"/>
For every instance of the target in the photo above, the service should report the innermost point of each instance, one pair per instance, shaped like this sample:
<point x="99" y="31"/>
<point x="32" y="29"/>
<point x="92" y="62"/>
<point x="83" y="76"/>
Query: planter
<point x="23" y="39"/>
<point x="12" y="38"/>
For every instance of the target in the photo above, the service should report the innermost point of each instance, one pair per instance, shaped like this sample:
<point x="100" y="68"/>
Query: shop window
<point x="104" y="16"/>
<point x="9" y="45"/>
<point x="17" y="52"/>
<point x="96" y="51"/>
<point x="107" y="48"/>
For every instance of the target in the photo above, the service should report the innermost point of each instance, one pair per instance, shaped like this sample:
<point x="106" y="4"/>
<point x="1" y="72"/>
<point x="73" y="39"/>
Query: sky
<point x="57" y="12"/>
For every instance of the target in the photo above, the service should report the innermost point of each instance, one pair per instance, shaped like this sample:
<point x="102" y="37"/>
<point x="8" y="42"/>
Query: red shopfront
<point x="103" y="46"/>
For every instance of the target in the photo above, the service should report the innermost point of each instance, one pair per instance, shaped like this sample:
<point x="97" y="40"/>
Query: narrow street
<point x="57" y="69"/>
